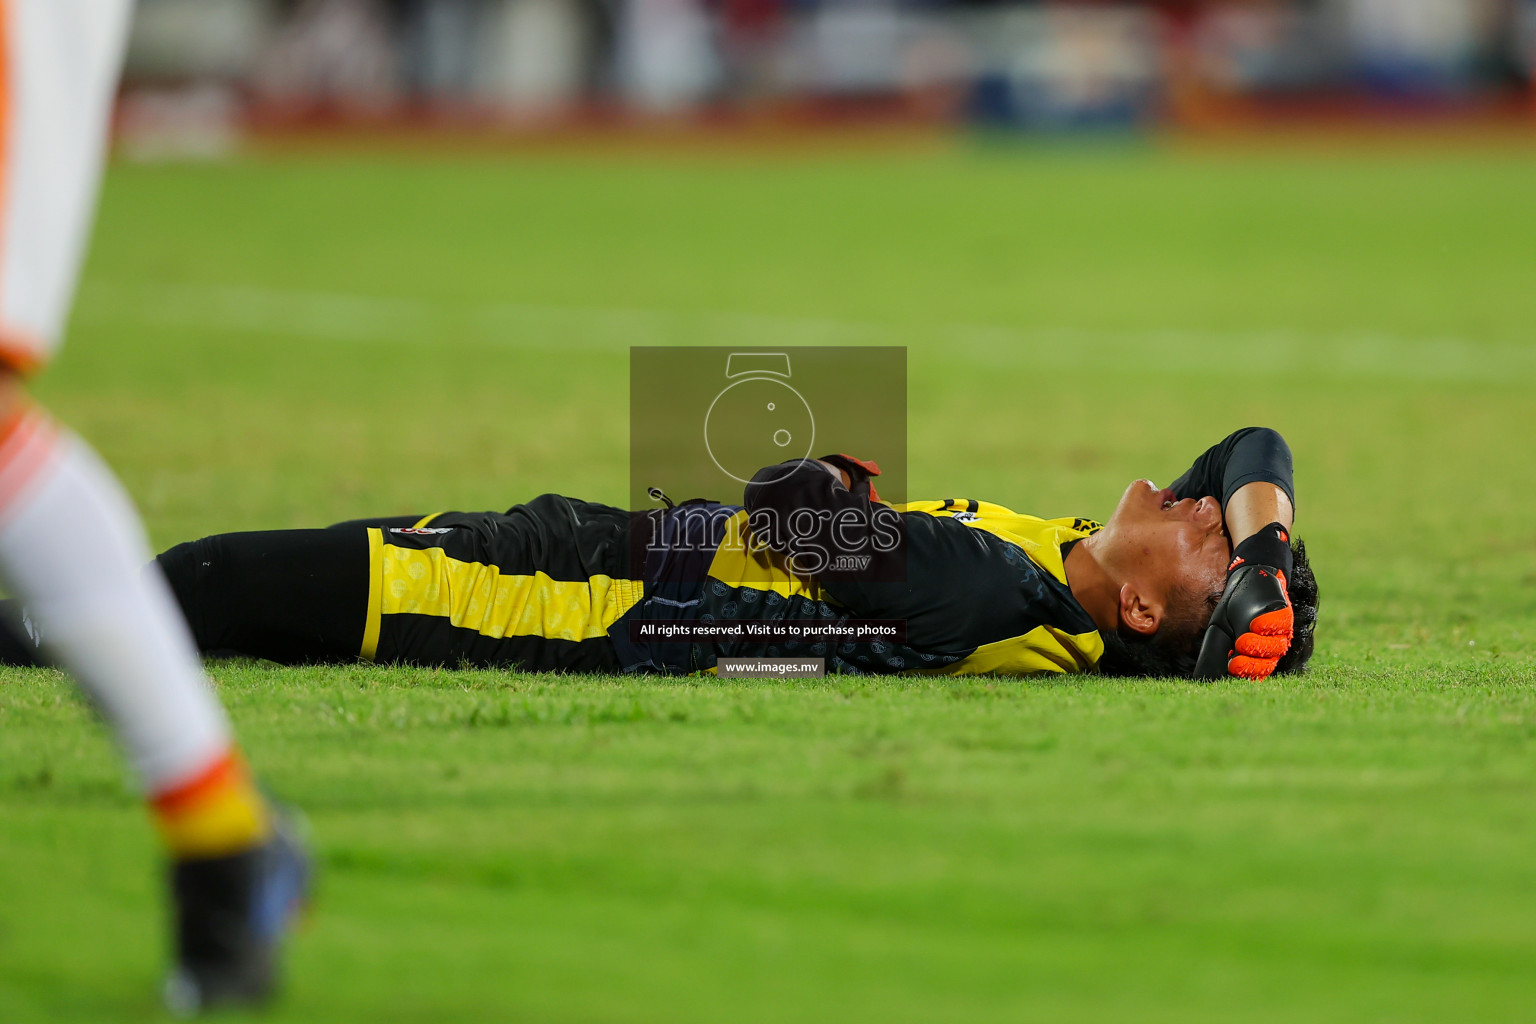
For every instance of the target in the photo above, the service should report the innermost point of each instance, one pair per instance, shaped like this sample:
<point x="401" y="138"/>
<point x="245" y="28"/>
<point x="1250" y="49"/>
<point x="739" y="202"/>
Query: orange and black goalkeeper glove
<point x="1252" y="625"/>
<point x="859" y="473"/>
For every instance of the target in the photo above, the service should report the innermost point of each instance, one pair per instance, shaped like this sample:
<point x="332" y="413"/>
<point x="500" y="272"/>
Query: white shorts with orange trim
<point x="59" y="62"/>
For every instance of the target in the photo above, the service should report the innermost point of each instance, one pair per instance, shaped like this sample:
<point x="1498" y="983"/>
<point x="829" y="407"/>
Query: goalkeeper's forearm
<point x="1253" y="507"/>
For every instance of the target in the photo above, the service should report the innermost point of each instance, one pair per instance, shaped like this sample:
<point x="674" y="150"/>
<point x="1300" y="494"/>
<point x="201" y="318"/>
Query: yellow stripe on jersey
<point x="741" y="563"/>
<point x="1042" y="649"/>
<point x="472" y="595"/>
<point x="1041" y="539"/>
<point x="370" y="647"/>
<point x="424" y="520"/>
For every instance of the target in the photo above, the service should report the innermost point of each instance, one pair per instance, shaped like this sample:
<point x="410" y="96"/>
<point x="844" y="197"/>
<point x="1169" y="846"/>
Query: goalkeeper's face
<point x="1173" y="552"/>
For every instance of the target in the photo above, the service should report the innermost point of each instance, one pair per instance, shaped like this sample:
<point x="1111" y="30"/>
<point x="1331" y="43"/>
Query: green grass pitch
<point x="298" y="337"/>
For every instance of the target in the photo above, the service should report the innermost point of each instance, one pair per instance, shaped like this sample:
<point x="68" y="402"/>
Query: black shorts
<point x="536" y="587"/>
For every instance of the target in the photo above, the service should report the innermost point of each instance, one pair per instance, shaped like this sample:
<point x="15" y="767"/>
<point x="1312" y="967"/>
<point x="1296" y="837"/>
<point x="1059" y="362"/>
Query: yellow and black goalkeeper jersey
<point x="984" y="591"/>
<point x="1024" y="616"/>
<point x="552" y="585"/>
<point x="558" y="583"/>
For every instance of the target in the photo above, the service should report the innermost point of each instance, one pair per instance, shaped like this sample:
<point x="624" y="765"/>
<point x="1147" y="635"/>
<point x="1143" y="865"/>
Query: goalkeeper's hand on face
<point x="1252" y="625"/>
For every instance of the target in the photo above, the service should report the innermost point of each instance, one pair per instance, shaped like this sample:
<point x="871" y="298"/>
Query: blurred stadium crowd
<point x="1016" y="62"/>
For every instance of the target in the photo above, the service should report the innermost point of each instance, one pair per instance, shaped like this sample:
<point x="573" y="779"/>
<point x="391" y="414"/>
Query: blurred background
<point x="202" y="71"/>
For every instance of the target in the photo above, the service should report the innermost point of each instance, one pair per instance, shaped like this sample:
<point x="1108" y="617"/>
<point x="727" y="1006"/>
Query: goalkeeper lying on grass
<point x="562" y="584"/>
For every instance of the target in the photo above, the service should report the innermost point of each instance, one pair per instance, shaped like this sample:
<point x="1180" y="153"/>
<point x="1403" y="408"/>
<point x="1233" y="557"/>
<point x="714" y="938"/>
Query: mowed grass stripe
<point x="422" y="323"/>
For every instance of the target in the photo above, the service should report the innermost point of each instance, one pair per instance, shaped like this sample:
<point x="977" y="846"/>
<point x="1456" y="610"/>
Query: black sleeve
<point x="1244" y="457"/>
<point x="962" y="588"/>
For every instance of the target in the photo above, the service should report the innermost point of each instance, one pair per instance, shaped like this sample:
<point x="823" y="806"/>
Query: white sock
<point x="72" y="549"/>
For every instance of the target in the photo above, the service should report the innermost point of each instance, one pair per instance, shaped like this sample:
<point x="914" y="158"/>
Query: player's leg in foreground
<point x="71" y="545"/>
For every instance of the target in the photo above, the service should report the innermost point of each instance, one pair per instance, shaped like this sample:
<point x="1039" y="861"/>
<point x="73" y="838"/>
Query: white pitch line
<point x="340" y="317"/>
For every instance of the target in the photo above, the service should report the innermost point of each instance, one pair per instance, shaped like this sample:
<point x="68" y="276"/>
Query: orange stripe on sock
<point x="216" y="812"/>
<point x="19" y="353"/>
<point x="226" y="771"/>
<point x="28" y="440"/>
<point x="20" y="408"/>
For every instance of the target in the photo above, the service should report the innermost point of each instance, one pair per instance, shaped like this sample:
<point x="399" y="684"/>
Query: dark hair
<point x="1173" y="650"/>
<point x="1302" y="586"/>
